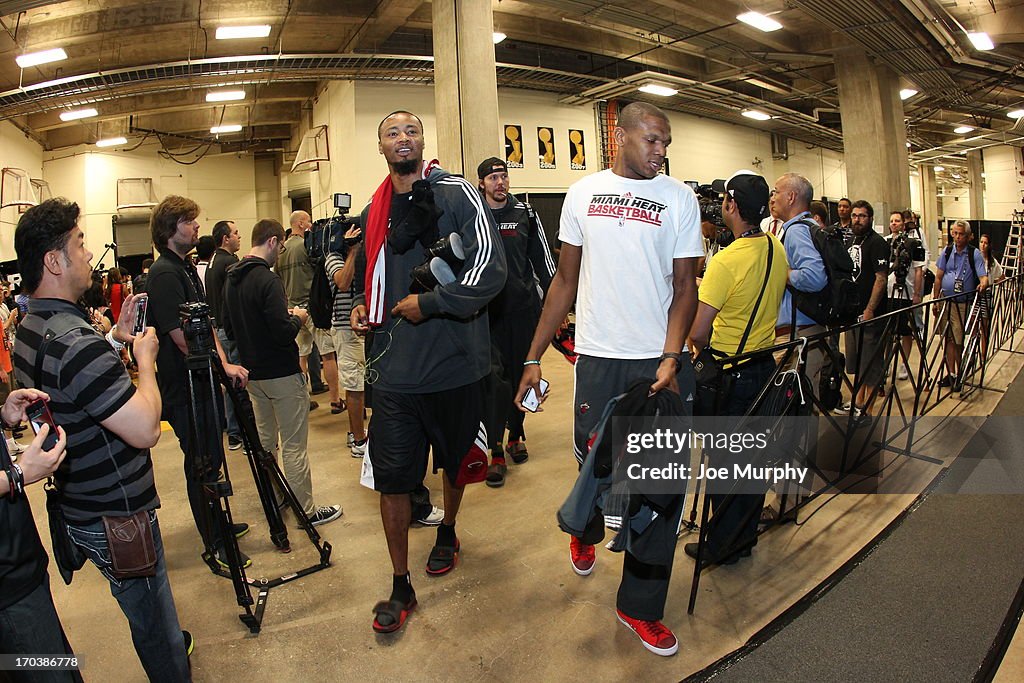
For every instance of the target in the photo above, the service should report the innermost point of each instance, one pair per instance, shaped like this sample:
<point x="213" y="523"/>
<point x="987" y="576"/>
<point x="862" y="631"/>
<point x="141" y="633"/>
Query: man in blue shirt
<point x="792" y="196"/>
<point x="955" y="274"/>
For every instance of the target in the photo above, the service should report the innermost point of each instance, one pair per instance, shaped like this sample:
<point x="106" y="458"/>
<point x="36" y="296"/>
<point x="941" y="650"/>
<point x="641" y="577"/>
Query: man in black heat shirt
<point x="514" y="312"/>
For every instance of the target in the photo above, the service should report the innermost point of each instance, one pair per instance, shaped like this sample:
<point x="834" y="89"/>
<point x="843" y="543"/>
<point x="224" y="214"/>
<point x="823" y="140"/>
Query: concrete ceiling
<point x="146" y="66"/>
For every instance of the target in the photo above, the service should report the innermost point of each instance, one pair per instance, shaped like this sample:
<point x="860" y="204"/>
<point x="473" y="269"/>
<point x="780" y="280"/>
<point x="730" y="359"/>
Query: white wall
<point x="955" y="203"/>
<point x="1004" y="184"/>
<point x="223" y="185"/>
<point x="702" y="149"/>
<point x="16" y="151"/>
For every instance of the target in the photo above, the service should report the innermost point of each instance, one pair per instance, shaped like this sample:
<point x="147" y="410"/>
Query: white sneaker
<point x="350" y="439"/>
<point x="902" y="373"/>
<point x="434" y="518"/>
<point x="325" y="514"/>
<point x="13" y="447"/>
<point x="843" y="409"/>
<point x="358" y="448"/>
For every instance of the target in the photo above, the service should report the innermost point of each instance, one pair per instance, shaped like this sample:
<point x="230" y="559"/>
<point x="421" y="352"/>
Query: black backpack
<point x="321" y="296"/>
<point x="837" y="303"/>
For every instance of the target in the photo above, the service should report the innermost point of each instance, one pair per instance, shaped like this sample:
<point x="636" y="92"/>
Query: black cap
<point x="750" y="192"/>
<point x="489" y="166"/>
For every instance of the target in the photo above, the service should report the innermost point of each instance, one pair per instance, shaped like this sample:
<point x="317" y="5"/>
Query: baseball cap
<point x="489" y="166"/>
<point x="750" y="191"/>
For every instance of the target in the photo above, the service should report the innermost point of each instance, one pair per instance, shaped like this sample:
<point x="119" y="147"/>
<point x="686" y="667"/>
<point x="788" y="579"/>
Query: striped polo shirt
<point x="342" y="300"/>
<point x="87" y="383"/>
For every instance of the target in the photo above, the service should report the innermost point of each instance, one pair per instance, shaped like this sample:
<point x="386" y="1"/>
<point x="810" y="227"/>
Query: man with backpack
<point x="960" y="270"/>
<point x="807" y="278"/>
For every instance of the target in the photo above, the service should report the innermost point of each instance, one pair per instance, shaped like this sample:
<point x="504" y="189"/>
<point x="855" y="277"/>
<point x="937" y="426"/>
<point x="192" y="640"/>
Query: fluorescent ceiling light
<point x="960" y="130"/>
<point x="756" y="115"/>
<point x="44" y="57"/>
<point x="230" y="128"/>
<point x="231" y="32"/>
<point x="225" y="95"/>
<point x="498" y="36"/>
<point x="981" y="41"/>
<point x="908" y="145"/>
<point x="956" y="176"/>
<point x="110" y="142"/>
<point x="77" y="114"/>
<point x="940" y="168"/>
<point x="907" y="93"/>
<point x="759" y="21"/>
<point x="1016" y="114"/>
<point x="660" y="90"/>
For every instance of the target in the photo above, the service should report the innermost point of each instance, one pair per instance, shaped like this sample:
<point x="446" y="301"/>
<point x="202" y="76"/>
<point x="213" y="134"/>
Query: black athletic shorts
<point x="404" y="427"/>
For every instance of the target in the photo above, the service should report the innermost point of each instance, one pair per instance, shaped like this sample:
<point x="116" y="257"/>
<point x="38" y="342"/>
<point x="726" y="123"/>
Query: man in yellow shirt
<point x="739" y="304"/>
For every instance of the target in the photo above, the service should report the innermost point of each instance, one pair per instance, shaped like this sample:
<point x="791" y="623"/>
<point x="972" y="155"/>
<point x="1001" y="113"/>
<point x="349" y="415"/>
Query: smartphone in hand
<point x="39" y="414"/>
<point x="141" y="306"/>
<point x="531" y="401"/>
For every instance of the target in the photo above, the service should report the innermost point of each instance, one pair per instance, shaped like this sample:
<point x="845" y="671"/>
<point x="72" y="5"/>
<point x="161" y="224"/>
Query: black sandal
<point x="442" y="559"/>
<point x="394" y="612"/>
<point x="496" y="475"/>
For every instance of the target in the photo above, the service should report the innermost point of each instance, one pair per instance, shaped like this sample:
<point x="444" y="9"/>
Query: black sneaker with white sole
<point x="325" y="514"/>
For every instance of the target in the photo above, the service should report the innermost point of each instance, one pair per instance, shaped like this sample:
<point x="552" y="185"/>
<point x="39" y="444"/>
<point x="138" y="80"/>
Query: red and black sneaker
<point x="581" y="556"/>
<point x="655" y="636"/>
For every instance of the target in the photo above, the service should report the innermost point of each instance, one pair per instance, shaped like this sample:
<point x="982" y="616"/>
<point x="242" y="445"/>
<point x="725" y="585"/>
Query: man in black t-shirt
<point x="870" y="254"/>
<point x="173" y="281"/>
<point x="228" y="241"/>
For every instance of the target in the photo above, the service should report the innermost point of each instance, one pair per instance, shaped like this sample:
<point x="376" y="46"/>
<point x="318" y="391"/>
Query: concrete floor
<point x="513" y="609"/>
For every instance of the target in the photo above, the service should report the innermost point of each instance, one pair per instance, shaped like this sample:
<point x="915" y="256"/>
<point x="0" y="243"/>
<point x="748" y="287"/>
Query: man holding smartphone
<point x="108" y="472"/>
<point x="631" y="239"/>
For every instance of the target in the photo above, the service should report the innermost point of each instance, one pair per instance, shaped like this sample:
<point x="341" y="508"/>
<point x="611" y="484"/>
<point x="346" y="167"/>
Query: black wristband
<point x="677" y="357"/>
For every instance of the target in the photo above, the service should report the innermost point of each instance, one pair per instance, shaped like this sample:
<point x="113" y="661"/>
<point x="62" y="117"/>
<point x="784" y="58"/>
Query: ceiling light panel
<point x="236" y="32"/>
<point x="759" y="21"/>
<point x="77" y="114"/>
<point x="44" y="57"/>
<point x="225" y="95"/>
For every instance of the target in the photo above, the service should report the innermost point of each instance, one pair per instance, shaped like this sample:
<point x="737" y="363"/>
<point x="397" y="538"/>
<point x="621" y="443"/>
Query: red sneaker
<point x="582" y="556"/>
<point x="653" y="634"/>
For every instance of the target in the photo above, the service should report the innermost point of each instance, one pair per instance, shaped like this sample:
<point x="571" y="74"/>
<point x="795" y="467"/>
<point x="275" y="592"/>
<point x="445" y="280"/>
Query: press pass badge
<point x="958" y="286"/>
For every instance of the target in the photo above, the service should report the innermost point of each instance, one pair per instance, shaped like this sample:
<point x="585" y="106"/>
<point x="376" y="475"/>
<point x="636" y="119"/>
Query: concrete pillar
<point x="465" y="84"/>
<point x="976" y="186"/>
<point x="874" y="134"/>
<point x="930" y="208"/>
<point x="1003" y="181"/>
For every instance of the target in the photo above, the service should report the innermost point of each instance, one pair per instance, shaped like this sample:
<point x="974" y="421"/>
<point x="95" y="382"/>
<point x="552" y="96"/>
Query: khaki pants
<point x="281" y="406"/>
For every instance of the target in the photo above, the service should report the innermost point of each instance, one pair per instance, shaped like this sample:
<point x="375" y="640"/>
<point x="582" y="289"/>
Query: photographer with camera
<point x="906" y="280"/>
<point x="259" y="319"/>
<point x="173" y="281"/>
<point x="340" y="269"/>
<point x="106" y="482"/>
<point x="960" y="270"/>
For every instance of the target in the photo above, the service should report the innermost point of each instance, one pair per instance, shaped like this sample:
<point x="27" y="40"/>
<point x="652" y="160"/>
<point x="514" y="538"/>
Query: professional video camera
<point x="195" y="324"/>
<point x="709" y="198"/>
<point x="327" y="236"/>
<point x="710" y="204"/>
<point x="904" y="250"/>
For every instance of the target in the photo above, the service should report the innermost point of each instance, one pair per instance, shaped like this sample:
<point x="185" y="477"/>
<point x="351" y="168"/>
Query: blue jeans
<point x="231" y="351"/>
<point x="146" y="602"/>
<point x="31" y="627"/>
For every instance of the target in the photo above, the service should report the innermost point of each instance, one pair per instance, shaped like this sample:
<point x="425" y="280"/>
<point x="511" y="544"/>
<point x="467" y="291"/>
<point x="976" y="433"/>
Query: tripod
<point x="211" y="471"/>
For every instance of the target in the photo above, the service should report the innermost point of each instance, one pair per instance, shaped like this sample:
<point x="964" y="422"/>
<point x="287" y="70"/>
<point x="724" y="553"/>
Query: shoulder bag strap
<point x="757" y="304"/>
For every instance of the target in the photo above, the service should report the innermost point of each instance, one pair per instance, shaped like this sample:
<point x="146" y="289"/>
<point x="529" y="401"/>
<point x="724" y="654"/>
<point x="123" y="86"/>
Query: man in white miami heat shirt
<point x="513" y="314"/>
<point x="630" y="243"/>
